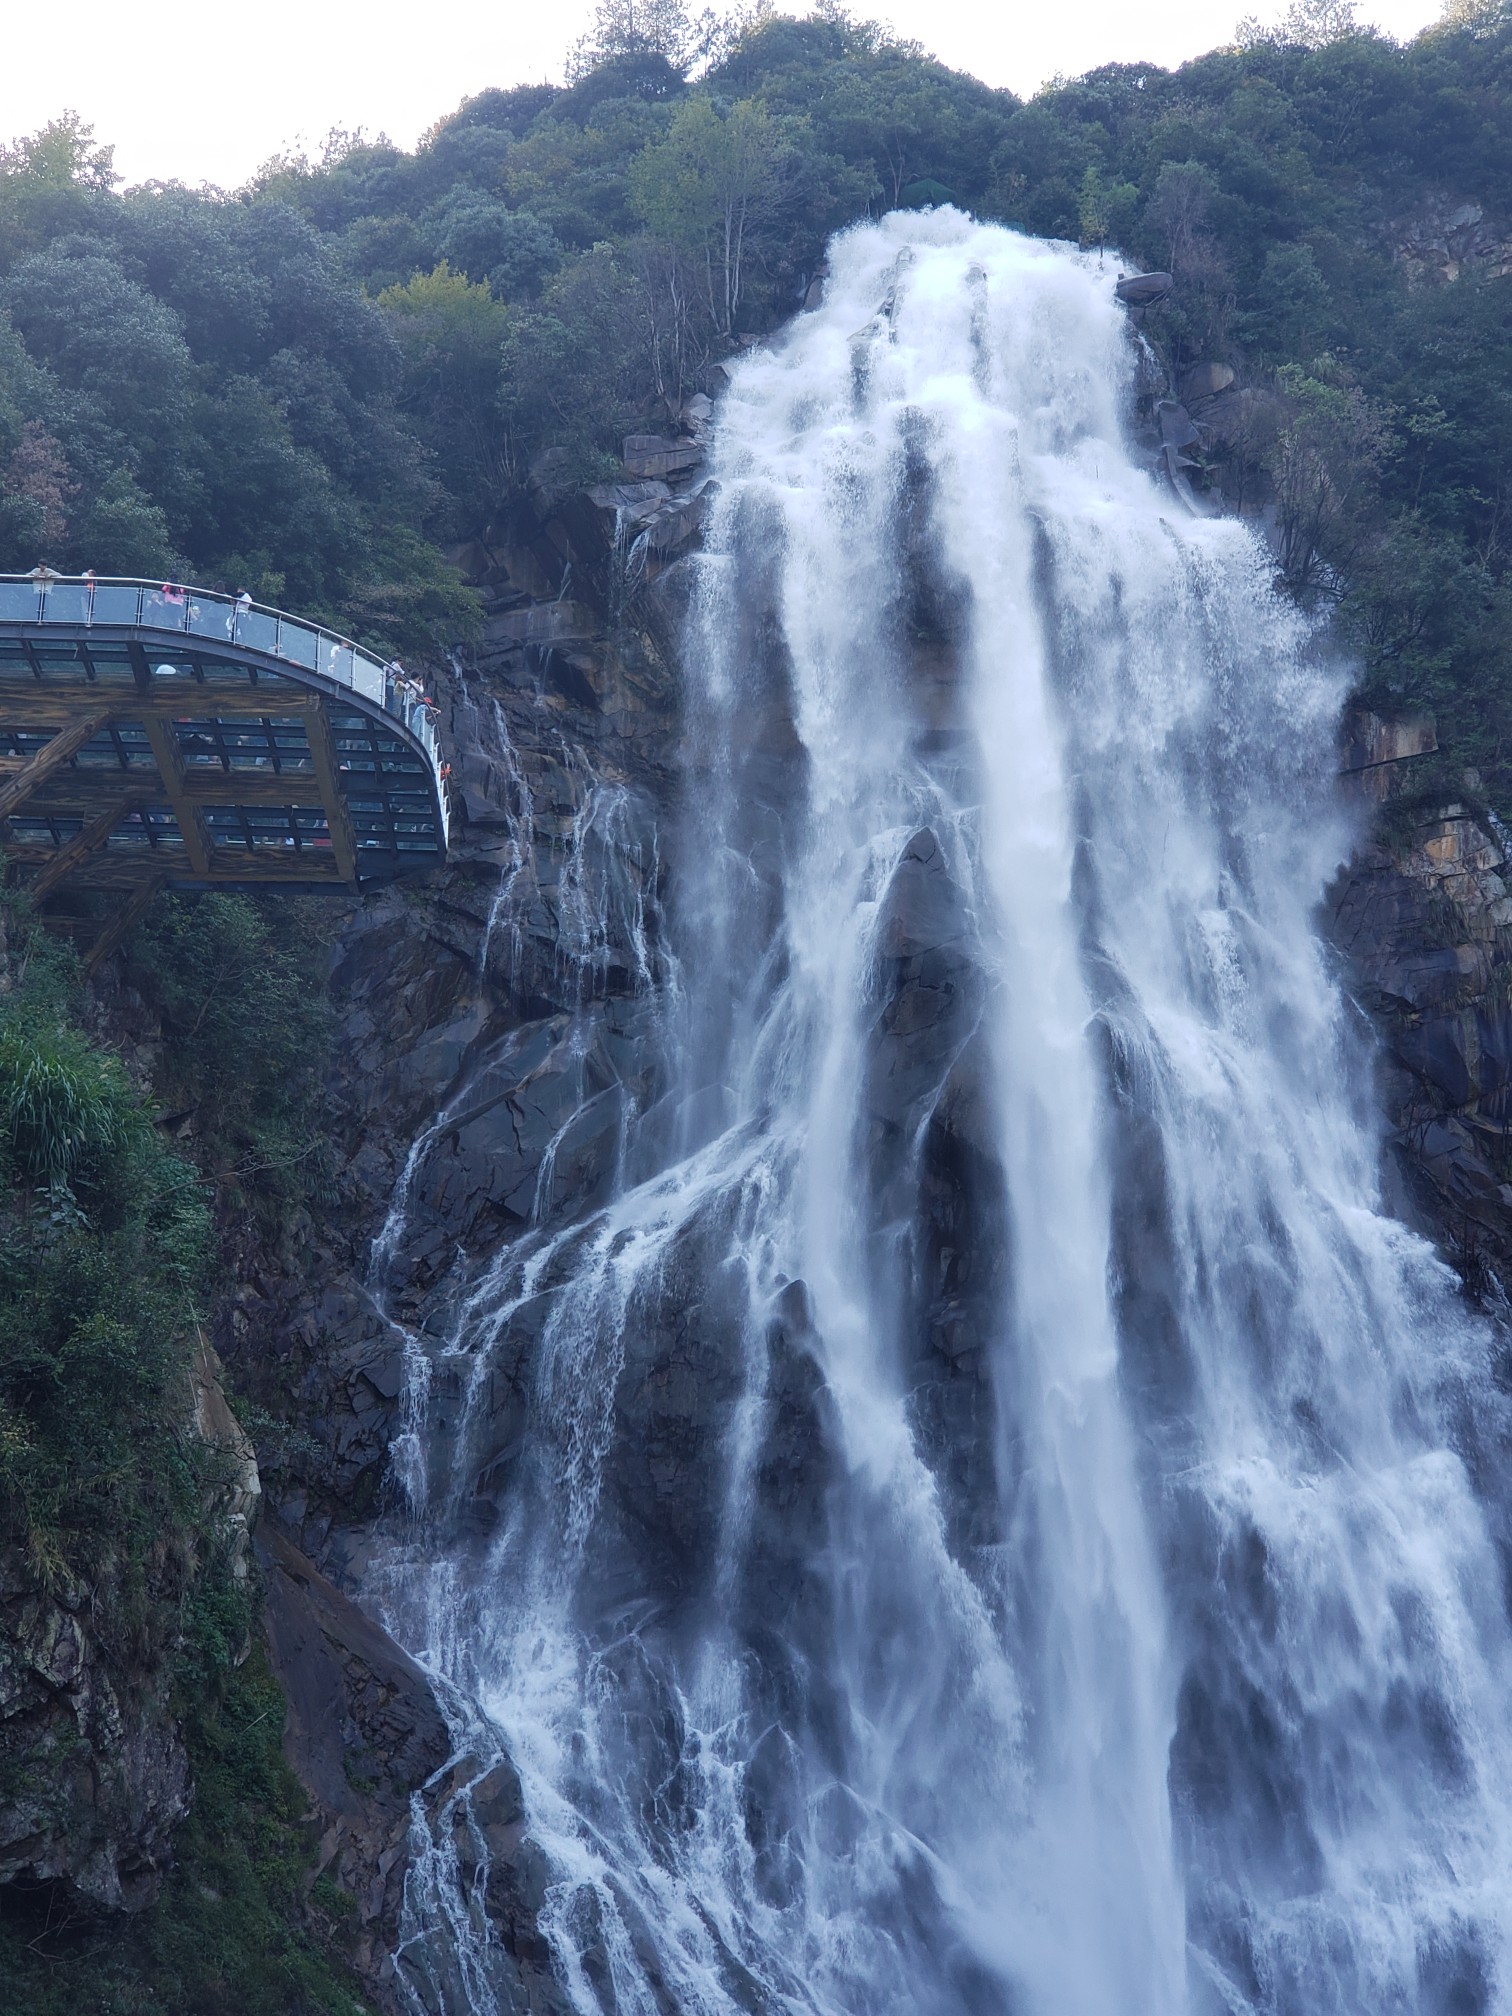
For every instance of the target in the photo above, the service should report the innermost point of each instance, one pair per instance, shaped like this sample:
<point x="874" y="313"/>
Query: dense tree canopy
<point x="311" y="385"/>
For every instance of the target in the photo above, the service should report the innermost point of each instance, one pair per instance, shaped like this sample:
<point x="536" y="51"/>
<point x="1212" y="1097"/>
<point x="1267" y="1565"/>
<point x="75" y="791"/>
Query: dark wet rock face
<point x="368" y="1740"/>
<point x="1427" y="929"/>
<point x="94" y="1775"/>
<point x="933" y="1159"/>
<point x="363" y="1734"/>
<point x="1143" y="290"/>
<point x="495" y="1031"/>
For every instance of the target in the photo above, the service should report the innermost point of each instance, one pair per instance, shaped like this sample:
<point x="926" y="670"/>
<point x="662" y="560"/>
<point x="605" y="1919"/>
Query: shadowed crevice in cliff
<point x="1426" y="928"/>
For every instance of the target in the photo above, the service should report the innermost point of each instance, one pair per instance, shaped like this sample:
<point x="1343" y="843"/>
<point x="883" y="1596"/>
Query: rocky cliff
<point x="93" y="1773"/>
<point x="1425" y="923"/>
<point x="495" y="1031"/>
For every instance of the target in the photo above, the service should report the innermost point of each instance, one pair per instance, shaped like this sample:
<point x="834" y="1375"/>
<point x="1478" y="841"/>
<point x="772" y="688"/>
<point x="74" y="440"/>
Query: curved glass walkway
<point x="153" y="734"/>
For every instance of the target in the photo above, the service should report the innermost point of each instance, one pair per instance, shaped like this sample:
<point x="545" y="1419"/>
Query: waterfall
<point x="991" y="1518"/>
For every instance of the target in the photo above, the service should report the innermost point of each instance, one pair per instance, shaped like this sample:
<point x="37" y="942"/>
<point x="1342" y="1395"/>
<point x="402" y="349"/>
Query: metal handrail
<point x="175" y="609"/>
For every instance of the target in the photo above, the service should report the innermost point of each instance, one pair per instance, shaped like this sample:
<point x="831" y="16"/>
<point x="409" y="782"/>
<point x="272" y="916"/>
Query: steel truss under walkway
<point x="153" y="736"/>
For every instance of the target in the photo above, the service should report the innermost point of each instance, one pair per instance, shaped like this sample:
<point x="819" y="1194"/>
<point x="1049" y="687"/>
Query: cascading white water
<point x="988" y="1523"/>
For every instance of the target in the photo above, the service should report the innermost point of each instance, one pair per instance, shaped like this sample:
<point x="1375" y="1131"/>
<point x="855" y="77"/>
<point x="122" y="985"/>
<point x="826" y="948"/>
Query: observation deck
<point x="154" y="736"/>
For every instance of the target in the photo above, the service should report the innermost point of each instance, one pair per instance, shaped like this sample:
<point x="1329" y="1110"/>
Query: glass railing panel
<point x="68" y="602"/>
<point x="209" y="617"/>
<point x="298" y="645"/>
<point x="115" y="604"/>
<point x="18" y="602"/>
<point x="257" y="630"/>
<point x="163" y="612"/>
<point x="369" y="680"/>
<point x="340" y="662"/>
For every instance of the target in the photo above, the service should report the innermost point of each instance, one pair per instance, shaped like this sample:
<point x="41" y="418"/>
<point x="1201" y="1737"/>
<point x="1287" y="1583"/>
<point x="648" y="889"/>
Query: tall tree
<point x="707" y="189"/>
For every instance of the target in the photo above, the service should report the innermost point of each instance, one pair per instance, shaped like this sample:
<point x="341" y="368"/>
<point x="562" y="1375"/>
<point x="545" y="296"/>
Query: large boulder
<point x="657" y="457"/>
<point x="1143" y="290"/>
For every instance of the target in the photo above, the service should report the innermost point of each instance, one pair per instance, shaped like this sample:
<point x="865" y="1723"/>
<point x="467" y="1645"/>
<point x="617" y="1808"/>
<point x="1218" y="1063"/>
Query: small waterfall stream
<point x="987" y="1518"/>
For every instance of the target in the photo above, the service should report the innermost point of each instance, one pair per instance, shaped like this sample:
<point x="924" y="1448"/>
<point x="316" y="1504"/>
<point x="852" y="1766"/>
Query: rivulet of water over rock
<point x="989" y="1518"/>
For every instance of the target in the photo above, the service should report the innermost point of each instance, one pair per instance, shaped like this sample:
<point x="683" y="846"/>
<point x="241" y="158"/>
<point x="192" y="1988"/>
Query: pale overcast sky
<point x="198" y="93"/>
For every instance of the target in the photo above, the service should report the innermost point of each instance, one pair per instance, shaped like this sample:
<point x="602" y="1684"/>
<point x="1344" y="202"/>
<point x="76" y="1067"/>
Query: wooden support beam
<point x="275" y="864"/>
<point x="94" y="833"/>
<point x="191" y="821"/>
<point x="33" y="703"/>
<point x="50" y="757"/>
<point x="328" y="772"/>
<point x="118" y="869"/>
<point x="121" y="923"/>
<point x="254" y="787"/>
<point x="78" y="790"/>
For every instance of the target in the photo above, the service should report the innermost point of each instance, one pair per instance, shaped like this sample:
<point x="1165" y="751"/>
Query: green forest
<point x="311" y="386"/>
<point x="314" y="387"/>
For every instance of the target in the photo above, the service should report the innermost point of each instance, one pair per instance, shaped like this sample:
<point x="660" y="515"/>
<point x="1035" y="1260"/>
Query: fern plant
<point x="63" y="1103"/>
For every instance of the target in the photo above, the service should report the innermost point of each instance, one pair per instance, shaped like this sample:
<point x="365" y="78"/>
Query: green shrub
<point x="106" y="1256"/>
<point x="239" y="985"/>
<point x="61" y="1102"/>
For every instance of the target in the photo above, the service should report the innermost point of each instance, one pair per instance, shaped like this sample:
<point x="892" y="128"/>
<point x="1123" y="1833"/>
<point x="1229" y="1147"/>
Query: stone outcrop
<point x="1446" y="236"/>
<point x="364" y="1733"/>
<point x="238" y="1495"/>
<point x="1427" y="928"/>
<point x="1376" y="748"/>
<point x="1143" y="290"/>
<point x="93" y="1774"/>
